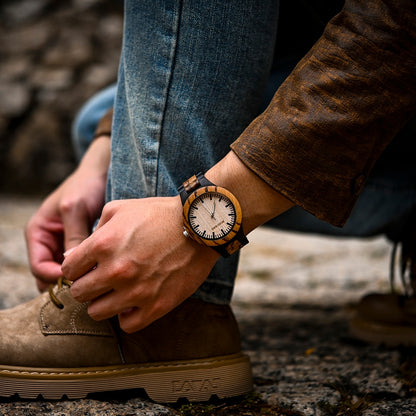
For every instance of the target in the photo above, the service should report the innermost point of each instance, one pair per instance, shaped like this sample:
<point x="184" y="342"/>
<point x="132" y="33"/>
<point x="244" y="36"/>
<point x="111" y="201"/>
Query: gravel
<point x="293" y="298"/>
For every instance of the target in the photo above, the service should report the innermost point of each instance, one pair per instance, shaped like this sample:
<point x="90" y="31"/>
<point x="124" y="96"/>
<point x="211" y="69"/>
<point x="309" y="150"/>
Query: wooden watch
<point x="212" y="215"/>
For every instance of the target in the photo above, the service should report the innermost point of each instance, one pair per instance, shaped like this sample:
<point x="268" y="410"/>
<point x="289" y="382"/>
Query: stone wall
<point x="53" y="56"/>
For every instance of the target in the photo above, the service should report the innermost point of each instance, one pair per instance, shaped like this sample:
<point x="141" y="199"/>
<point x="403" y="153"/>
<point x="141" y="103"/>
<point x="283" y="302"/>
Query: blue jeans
<point x="191" y="78"/>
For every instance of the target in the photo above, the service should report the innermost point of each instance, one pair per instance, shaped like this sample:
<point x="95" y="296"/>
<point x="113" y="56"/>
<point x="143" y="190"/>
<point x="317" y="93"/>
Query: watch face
<point x="212" y="215"/>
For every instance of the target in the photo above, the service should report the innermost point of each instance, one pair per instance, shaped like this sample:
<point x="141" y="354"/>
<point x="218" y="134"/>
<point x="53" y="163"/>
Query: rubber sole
<point x="377" y="333"/>
<point x="195" y="380"/>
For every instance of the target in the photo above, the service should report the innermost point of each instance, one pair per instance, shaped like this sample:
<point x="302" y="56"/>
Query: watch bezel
<point x="238" y="215"/>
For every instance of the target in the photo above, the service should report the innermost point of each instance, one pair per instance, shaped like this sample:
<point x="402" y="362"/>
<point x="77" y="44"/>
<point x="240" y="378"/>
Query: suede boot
<point x="52" y="348"/>
<point x="390" y="318"/>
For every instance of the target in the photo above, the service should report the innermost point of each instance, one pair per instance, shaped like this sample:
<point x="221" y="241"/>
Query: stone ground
<point x="293" y="297"/>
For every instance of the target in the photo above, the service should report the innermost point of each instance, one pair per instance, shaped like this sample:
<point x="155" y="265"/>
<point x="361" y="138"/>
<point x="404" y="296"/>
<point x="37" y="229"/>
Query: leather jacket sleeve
<point x="343" y="103"/>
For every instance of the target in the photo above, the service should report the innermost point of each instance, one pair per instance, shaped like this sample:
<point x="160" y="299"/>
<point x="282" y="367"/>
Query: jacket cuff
<point x="344" y="102"/>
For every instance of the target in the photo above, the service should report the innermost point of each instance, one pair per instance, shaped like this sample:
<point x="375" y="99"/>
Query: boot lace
<point x="60" y="284"/>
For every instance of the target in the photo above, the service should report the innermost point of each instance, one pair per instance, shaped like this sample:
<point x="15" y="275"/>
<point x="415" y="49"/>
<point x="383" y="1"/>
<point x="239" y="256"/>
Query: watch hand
<point x="213" y="211"/>
<point x="206" y="209"/>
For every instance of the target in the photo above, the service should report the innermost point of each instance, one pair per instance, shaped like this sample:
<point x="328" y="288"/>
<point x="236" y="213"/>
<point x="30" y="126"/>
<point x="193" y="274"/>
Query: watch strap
<point x="192" y="184"/>
<point x="239" y="241"/>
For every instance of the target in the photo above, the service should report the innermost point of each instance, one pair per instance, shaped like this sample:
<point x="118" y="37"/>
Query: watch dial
<point x="212" y="215"/>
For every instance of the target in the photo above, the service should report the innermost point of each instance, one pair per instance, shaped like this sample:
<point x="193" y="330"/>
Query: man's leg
<point x="192" y="77"/>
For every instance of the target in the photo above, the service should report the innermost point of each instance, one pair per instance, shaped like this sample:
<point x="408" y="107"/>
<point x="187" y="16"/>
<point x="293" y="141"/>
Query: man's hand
<point x="67" y="215"/>
<point x="137" y="263"/>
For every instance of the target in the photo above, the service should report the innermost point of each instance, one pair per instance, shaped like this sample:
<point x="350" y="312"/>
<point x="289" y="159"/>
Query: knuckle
<point x="68" y="205"/>
<point x="110" y="207"/>
<point x="122" y="270"/>
<point x="101" y="244"/>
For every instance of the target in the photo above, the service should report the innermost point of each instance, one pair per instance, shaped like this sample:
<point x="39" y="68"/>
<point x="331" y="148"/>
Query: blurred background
<point x="53" y="56"/>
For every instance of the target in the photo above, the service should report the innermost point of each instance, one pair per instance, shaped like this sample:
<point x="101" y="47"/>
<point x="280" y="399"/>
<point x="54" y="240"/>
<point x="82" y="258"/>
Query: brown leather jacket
<point x="344" y="102"/>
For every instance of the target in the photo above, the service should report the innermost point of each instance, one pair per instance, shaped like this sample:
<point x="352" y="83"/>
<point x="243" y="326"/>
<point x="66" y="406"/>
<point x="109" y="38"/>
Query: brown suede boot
<point x="51" y="347"/>
<point x="390" y="319"/>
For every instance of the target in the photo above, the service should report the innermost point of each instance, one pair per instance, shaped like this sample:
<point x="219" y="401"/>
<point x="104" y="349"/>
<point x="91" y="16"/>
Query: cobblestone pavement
<point x="293" y="297"/>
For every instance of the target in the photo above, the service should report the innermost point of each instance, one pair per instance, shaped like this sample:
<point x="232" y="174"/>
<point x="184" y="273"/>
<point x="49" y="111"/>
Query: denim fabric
<point x="383" y="208"/>
<point x="192" y="76"/>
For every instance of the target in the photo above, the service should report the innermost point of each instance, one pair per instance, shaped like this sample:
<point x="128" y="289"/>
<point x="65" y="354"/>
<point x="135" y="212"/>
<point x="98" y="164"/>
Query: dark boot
<point x="390" y="319"/>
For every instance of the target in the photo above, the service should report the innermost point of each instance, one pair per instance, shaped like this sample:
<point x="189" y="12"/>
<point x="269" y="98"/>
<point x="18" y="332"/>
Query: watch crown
<point x="185" y="233"/>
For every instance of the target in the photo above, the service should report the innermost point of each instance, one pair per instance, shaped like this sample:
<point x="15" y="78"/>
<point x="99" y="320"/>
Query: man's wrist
<point x="97" y="156"/>
<point x="259" y="201"/>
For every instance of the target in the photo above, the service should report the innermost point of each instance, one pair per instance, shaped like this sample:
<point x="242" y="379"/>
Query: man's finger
<point x="76" y="224"/>
<point x="79" y="261"/>
<point x="90" y="286"/>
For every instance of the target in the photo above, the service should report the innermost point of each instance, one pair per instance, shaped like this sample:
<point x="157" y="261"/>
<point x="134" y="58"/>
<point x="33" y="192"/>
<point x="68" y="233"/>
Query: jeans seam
<point x="168" y="88"/>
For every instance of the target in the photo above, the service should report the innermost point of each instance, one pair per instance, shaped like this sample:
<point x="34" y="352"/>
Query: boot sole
<point x="194" y="380"/>
<point x="377" y="333"/>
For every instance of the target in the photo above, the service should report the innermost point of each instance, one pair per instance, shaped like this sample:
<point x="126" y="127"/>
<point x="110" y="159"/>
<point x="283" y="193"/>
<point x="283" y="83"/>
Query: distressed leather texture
<point x="334" y="115"/>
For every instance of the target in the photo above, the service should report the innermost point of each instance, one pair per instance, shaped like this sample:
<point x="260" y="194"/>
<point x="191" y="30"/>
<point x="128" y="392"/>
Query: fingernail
<point x="68" y="252"/>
